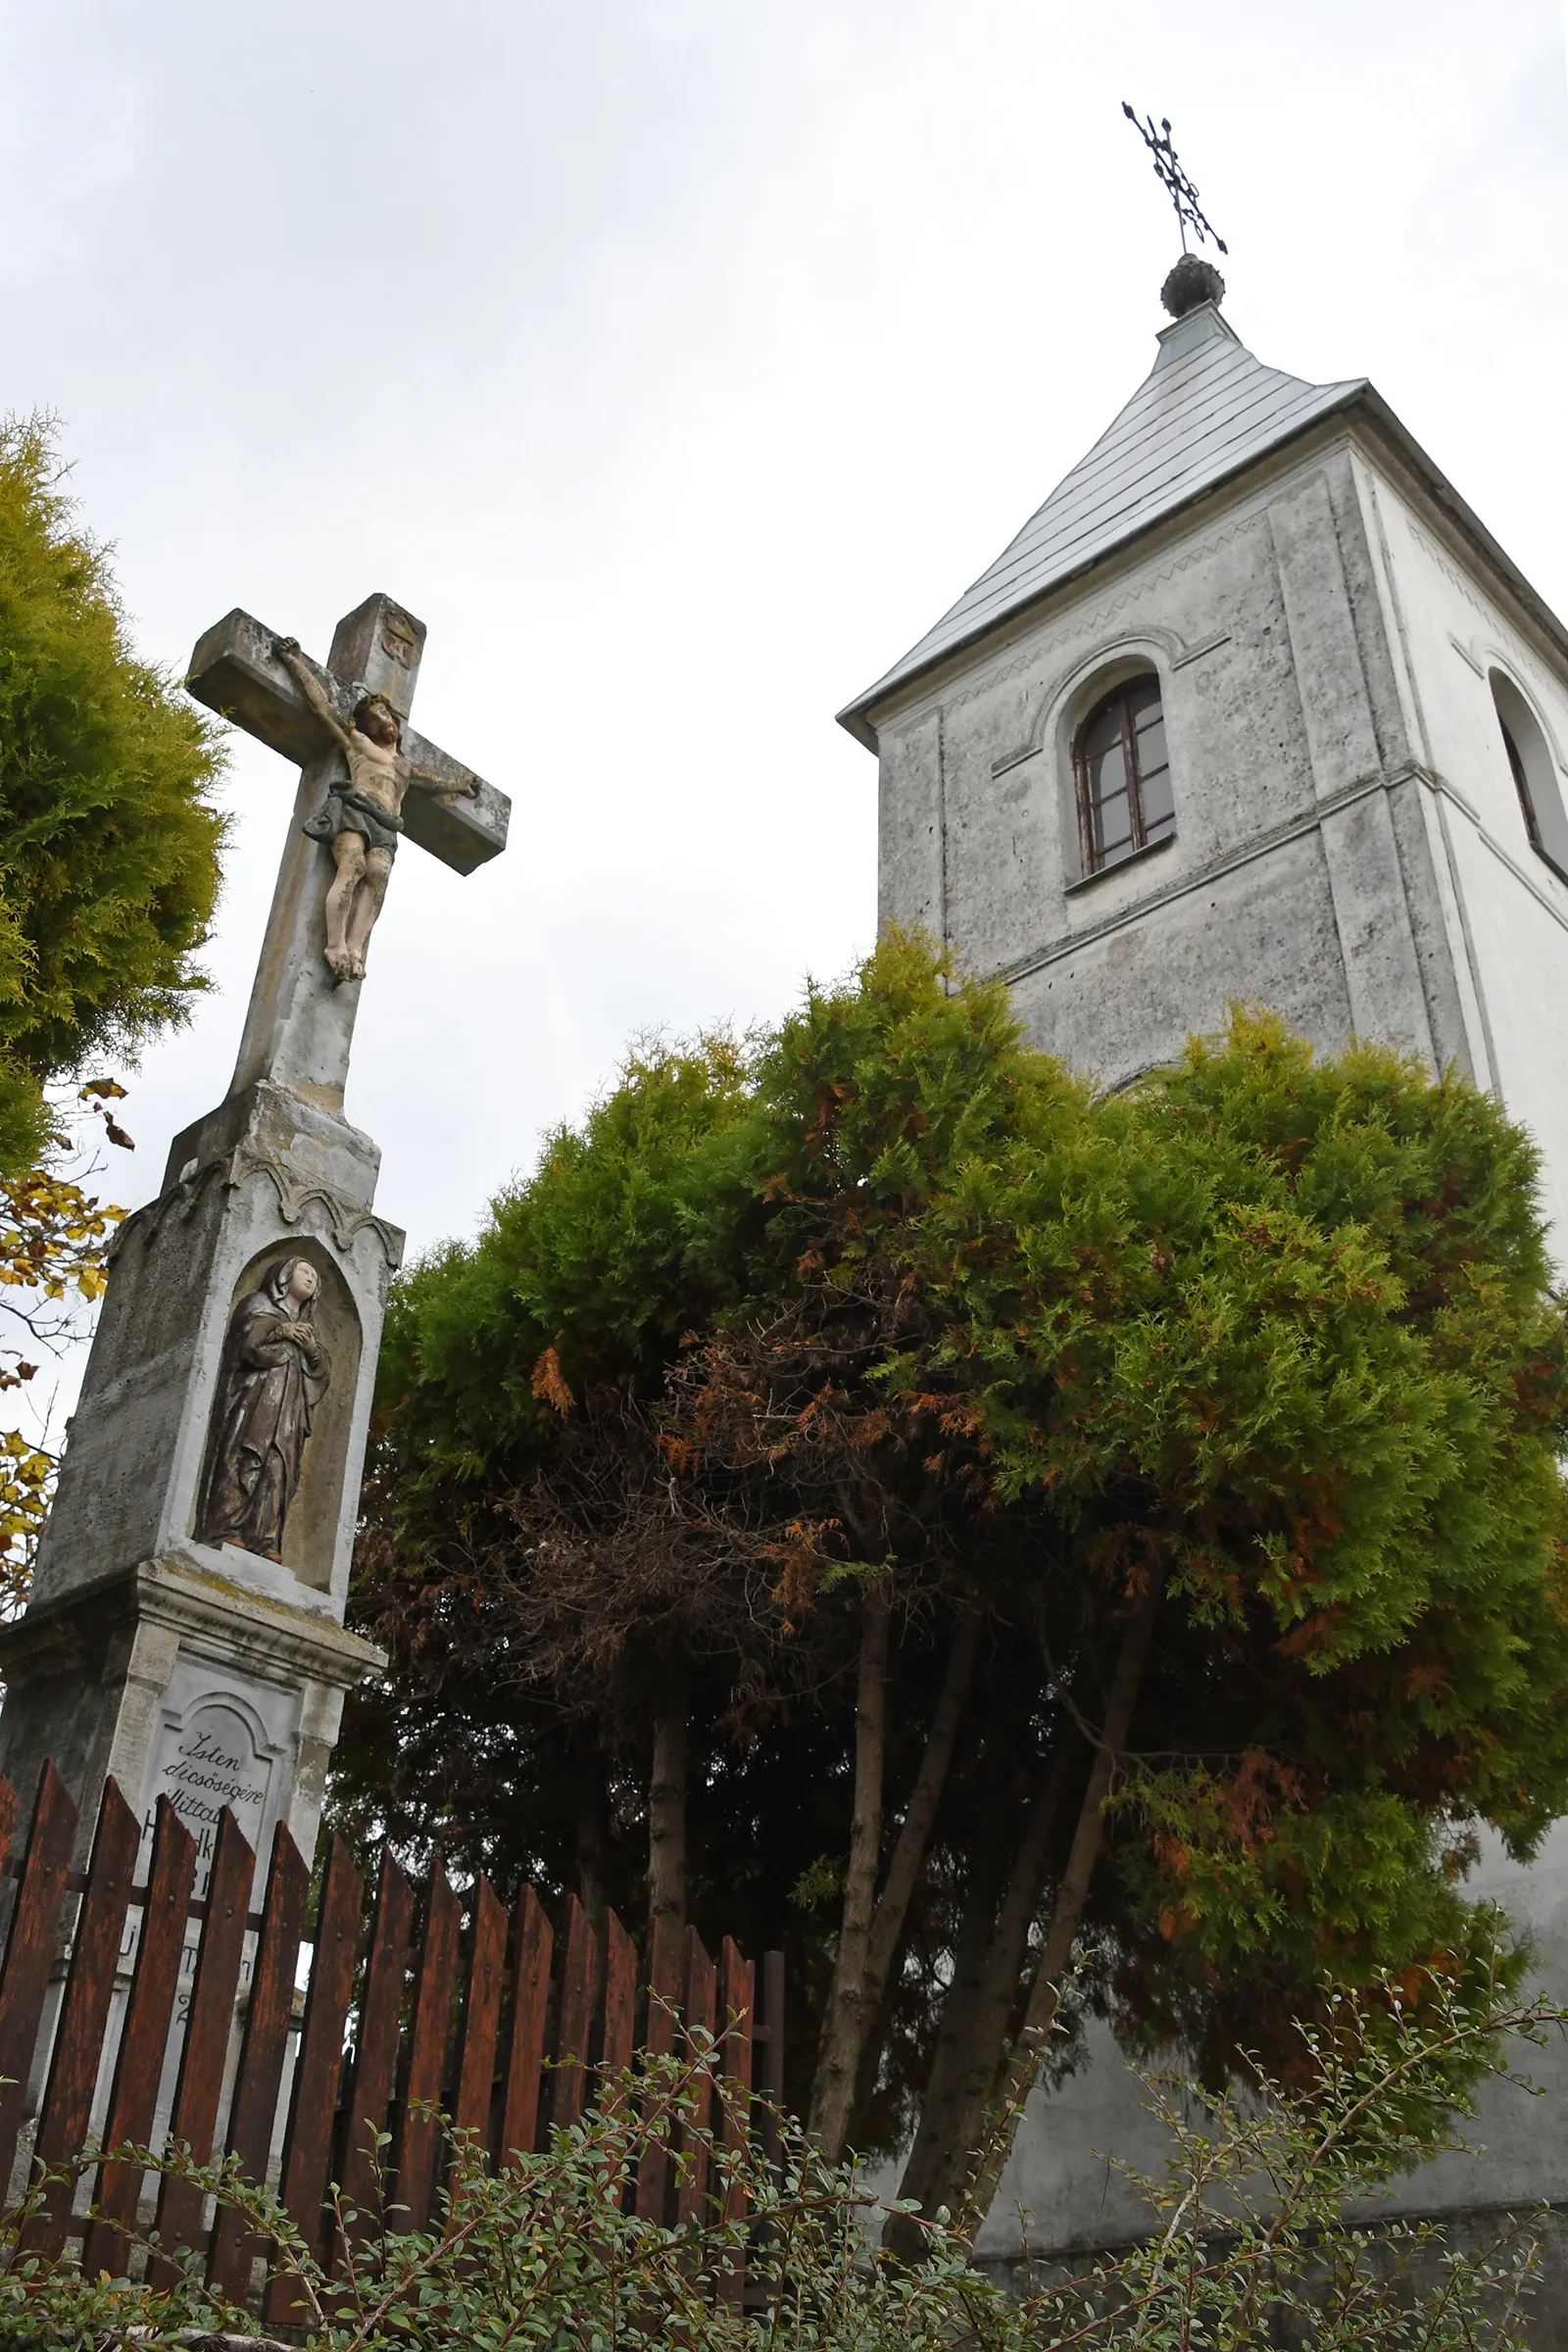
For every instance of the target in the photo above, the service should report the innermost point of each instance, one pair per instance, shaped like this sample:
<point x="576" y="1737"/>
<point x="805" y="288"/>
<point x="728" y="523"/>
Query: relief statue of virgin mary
<point x="274" y="1375"/>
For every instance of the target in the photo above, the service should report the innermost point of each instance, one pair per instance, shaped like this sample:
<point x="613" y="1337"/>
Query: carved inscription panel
<point x="223" y="1739"/>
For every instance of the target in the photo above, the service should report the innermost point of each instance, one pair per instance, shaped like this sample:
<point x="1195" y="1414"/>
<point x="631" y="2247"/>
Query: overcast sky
<point x="678" y="362"/>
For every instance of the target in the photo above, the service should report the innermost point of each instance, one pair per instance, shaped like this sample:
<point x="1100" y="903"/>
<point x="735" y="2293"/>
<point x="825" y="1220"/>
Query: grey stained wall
<point x="1296" y="876"/>
<point x="1349" y="849"/>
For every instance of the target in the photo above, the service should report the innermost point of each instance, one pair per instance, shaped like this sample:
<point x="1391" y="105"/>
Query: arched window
<point x="1534" y="773"/>
<point x="1124" y="795"/>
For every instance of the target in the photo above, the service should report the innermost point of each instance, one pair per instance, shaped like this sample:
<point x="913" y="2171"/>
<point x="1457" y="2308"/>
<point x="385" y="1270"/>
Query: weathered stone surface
<point x="89" y="1673"/>
<point x="125" y="1593"/>
<point x="299" y="1028"/>
<point x="288" y="1181"/>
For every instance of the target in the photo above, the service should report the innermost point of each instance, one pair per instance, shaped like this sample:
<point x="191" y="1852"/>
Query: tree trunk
<point x="667" y="1823"/>
<point x="592" y="1839"/>
<point x="848" y="2016"/>
<point x="920" y="1813"/>
<point x="954" y="2034"/>
<point x="909" y="1852"/>
<point x="969" y="2053"/>
<point x="1072" y="1894"/>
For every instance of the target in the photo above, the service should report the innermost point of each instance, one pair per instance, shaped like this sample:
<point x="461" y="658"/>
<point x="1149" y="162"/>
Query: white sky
<point x="678" y="362"/>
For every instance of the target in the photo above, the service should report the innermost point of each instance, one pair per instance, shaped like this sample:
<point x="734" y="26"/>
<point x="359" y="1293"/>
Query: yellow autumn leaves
<point x="53" y="1245"/>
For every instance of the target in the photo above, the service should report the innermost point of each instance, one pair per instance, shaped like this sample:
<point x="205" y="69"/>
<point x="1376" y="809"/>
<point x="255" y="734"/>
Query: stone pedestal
<point x="207" y="1672"/>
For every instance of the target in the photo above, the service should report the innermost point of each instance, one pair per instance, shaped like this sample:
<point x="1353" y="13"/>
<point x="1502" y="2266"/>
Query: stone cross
<point x="186" y="1628"/>
<point x="301" y="1020"/>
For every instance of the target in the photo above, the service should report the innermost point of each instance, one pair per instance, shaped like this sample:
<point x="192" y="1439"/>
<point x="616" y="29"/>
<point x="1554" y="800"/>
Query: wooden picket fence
<point x="500" y="2025"/>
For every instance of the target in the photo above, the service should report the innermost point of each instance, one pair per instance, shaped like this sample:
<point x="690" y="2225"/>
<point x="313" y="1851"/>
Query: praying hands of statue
<point x="360" y="822"/>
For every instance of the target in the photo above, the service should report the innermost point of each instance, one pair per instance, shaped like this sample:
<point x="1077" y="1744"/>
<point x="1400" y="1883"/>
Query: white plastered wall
<point x="1512" y="906"/>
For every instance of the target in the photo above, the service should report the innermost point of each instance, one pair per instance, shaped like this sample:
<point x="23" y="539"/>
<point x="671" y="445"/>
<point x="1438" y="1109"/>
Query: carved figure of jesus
<point x="360" y="820"/>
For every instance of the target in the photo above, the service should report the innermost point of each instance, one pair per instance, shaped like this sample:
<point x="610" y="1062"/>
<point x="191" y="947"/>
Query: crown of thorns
<point x="374" y="702"/>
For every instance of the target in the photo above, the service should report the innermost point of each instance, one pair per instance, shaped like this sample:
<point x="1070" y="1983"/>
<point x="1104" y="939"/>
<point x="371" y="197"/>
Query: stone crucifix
<point x="367" y="779"/>
<point x="190" y="1591"/>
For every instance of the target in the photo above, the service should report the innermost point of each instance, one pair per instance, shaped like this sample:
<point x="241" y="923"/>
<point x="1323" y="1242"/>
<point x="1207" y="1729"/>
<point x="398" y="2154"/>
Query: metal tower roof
<point x="1205" y="410"/>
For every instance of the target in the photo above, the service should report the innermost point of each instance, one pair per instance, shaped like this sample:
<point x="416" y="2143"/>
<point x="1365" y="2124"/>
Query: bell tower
<point x="1361" y="705"/>
<point x="1253" y="706"/>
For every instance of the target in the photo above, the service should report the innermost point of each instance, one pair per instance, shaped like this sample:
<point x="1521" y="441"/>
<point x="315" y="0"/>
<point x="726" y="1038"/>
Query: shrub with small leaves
<point x="1251" y="2240"/>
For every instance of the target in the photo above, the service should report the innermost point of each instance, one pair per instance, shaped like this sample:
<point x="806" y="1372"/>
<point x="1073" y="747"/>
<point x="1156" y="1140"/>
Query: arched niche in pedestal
<point x="313" y="1514"/>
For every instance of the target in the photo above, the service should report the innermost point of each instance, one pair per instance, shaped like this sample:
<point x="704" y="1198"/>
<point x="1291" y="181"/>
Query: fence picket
<point x="84" y="2011"/>
<point x="413" y="2143"/>
<point x="31" y="1949"/>
<point x="377" y="2053"/>
<point x="144" y="2036"/>
<point x="659" y="2041"/>
<point x="262" y="2054"/>
<point x="319" y="2071"/>
<point x="595" y="2036"/>
<point x="203" y="2059"/>
<point x="532" y="1942"/>
<point x="8" y="1817"/>
<point x="481" y="2017"/>
<point x="579" y="1987"/>
<point x="620" y="1998"/>
<point x="697" y="2048"/>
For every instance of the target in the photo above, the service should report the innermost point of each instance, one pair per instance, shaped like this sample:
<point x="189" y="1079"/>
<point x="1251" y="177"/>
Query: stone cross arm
<point x="236" y="672"/>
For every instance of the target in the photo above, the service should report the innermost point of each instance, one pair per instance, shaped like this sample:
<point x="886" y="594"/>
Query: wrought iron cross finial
<point x="1173" y="180"/>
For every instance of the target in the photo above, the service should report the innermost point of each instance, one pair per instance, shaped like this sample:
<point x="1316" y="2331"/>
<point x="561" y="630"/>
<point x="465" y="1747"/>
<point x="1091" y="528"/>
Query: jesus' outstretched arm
<point x="287" y="649"/>
<point x="441" y="781"/>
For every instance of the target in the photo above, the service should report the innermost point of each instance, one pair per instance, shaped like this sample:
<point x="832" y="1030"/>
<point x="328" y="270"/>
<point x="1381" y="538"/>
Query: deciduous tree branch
<point x="1072" y="1894"/>
<point x="848" y="2011"/>
<point x="968" y="2057"/>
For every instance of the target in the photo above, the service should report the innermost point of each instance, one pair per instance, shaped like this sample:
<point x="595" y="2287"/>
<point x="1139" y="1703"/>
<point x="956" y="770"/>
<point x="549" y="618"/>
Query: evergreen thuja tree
<point x="109" y="873"/>
<point x="1293" y="1380"/>
<point x="107" y="842"/>
<point x="979" y="1528"/>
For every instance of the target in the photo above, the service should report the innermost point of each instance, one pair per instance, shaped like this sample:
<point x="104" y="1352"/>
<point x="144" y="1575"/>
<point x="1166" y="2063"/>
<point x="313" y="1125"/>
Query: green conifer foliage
<point x="108" y="847"/>
<point x="1148" y="1507"/>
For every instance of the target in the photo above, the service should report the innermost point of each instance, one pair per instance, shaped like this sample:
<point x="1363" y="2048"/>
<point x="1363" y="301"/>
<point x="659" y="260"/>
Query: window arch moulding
<point x="1535" y="770"/>
<point x="1157" y="648"/>
<point x="1485" y="653"/>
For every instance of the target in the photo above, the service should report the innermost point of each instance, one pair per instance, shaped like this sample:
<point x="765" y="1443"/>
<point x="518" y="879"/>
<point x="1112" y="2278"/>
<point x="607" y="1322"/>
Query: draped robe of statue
<point x="269" y="1386"/>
